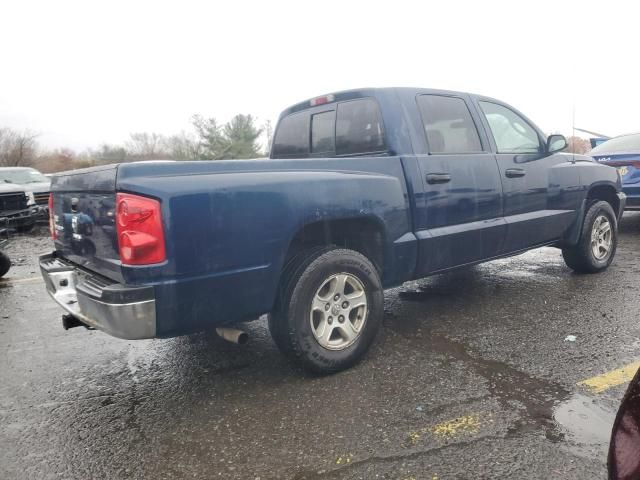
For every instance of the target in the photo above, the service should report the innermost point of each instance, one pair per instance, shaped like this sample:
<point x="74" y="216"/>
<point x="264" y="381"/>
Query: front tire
<point x="598" y="241"/>
<point x="5" y="264"/>
<point x="329" y="309"/>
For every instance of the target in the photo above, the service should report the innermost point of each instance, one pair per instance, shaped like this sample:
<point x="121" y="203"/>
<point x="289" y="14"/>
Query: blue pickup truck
<point x="364" y="190"/>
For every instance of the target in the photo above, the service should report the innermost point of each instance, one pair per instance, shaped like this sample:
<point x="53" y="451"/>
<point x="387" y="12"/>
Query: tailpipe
<point x="233" y="335"/>
<point x="69" y="321"/>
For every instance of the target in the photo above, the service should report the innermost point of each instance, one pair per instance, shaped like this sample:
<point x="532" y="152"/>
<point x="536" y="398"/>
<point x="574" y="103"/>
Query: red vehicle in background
<point x="624" y="449"/>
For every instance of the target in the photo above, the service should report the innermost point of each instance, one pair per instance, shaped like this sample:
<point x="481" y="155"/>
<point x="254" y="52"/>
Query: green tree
<point x="241" y="135"/>
<point x="212" y="142"/>
<point x="235" y="140"/>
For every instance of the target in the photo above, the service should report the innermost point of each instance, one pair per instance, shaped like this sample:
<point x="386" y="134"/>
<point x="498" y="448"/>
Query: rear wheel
<point x="329" y="310"/>
<point x="5" y="264"/>
<point x="598" y="241"/>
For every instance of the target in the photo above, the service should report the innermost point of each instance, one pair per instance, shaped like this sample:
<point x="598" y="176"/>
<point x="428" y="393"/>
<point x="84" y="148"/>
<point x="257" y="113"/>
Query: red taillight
<point x="52" y="221"/>
<point x="139" y="227"/>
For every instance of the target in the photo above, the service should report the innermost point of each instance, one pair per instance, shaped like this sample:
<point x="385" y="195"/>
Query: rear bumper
<point x="119" y="310"/>
<point x="633" y="196"/>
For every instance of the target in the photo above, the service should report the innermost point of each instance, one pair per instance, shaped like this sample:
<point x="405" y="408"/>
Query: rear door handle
<point x="514" y="172"/>
<point x="438" y="178"/>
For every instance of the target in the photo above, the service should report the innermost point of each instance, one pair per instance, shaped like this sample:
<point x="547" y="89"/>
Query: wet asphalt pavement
<point x="470" y="378"/>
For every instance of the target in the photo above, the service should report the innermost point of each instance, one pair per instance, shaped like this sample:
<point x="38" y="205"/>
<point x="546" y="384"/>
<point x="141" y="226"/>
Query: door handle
<point x="514" y="172"/>
<point x="438" y="178"/>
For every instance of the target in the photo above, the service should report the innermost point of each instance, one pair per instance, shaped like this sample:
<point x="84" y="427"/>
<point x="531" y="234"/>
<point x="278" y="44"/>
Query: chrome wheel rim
<point x="338" y="311"/>
<point x="601" y="237"/>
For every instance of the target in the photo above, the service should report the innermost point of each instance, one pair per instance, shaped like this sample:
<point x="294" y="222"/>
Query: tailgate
<point x="84" y="218"/>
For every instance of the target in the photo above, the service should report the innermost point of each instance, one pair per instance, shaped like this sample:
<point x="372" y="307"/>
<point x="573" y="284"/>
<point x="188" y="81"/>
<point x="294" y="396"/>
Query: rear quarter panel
<point x="228" y="225"/>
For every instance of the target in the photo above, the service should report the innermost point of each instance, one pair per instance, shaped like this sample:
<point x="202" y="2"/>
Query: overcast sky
<point x="83" y="73"/>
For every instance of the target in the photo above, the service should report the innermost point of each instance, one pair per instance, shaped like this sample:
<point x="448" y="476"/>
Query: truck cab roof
<point x="391" y="111"/>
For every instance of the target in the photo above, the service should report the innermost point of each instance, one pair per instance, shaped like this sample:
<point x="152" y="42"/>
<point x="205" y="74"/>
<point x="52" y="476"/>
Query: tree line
<point x="209" y="140"/>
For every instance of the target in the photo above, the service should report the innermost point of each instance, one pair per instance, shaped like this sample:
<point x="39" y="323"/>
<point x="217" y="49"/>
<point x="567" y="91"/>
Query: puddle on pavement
<point x="577" y="422"/>
<point x="584" y="426"/>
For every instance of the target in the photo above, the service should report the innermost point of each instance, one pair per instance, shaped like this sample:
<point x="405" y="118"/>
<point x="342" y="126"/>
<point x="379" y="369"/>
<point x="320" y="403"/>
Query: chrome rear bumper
<point x="119" y="310"/>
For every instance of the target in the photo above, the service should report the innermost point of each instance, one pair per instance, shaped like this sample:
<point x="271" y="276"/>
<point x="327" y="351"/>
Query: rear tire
<point x="598" y="241"/>
<point x="329" y="309"/>
<point x="5" y="264"/>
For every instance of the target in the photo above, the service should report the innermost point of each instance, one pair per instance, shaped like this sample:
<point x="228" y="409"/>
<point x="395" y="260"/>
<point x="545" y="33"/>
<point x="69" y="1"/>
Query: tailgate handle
<point x="438" y="178"/>
<point x="514" y="172"/>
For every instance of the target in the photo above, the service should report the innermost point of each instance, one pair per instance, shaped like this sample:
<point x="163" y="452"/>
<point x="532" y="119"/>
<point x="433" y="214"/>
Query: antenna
<point x="573" y="131"/>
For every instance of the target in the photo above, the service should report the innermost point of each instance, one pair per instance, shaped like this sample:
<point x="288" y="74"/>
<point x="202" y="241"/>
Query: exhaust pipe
<point x="69" y="321"/>
<point x="233" y="335"/>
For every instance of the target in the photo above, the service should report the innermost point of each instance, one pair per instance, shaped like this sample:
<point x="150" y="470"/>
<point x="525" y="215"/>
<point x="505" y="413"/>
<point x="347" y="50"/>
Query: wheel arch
<point x="606" y="192"/>
<point x="364" y="234"/>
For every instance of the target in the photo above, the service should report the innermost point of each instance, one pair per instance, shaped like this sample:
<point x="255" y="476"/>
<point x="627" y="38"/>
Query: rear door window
<point x="323" y="133"/>
<point x="292" y="137"/>
<point x="448" y="125"/>
<point x="359" y="128"/>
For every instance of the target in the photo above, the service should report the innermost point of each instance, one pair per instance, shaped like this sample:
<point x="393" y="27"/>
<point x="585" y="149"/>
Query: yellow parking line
<point x="611" y="379"/>
<point x="450" y="429"/>
<point x="457" y="426"/>
<point x="8" y="282"/>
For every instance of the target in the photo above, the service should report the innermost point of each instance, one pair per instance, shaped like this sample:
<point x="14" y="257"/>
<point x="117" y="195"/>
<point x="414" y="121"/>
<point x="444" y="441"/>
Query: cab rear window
<point x="352" y="127"/>
<point x="359" y="128"/>
<point x="323" y="133"/>
<point x="292" y="136"/>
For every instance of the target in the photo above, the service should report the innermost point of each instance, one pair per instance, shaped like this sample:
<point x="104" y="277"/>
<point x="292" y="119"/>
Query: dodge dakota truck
<point x="364" y="190"/>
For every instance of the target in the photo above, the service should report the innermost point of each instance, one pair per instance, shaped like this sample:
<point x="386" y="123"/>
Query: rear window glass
<point x="622" y="144"/>
<point x="323" y="130"/>
<point x="359" y="128"/>
<point x="448" y="125"/>
<point x="292" y="137"/>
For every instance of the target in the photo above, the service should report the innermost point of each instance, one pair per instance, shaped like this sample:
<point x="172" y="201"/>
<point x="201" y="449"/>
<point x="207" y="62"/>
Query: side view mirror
<point x="556" y="143"/>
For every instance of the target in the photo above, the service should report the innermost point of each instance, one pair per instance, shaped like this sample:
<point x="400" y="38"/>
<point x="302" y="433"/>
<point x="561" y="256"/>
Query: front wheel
<point x="5" y="264"/>
<point x="329" y="309"/>
<point x="598" y="241"/>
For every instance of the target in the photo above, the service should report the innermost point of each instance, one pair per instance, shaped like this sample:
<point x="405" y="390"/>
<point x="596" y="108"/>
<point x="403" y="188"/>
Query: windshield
<point x="622" y="144"/>
<point x="22" y="177"/>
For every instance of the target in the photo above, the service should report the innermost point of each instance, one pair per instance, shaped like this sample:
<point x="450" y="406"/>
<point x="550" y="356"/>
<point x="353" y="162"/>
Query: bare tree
<point x="578" y="145"/>
<point x="145" y="146"/>
<point x="182" y="146"/>
<point x="17" y="148"/>
<point x="56" y="160"/>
